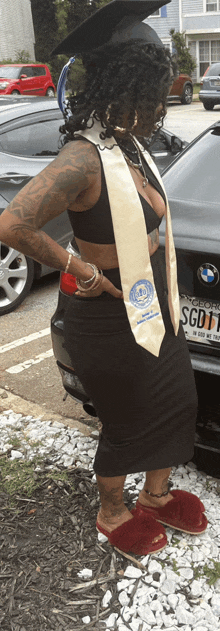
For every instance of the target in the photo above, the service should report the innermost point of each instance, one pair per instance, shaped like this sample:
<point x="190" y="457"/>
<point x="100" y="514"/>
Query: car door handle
<point x="14" y="178"/>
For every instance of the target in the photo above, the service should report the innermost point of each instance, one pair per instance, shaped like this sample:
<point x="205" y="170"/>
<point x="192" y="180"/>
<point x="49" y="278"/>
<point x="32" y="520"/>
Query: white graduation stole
<point x="140" y="296"/>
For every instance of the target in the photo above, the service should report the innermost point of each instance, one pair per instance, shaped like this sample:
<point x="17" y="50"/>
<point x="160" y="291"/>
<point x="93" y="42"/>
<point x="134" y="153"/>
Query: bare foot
<point x="113" y="522"/>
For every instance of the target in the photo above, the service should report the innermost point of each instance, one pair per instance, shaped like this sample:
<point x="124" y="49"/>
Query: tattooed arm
<point x="49" y="194"/>
<point x="70" y="181"/>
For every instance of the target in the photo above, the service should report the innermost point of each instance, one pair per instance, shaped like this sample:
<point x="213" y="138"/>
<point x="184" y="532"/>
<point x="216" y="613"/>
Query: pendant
<point x="145" y="182"/>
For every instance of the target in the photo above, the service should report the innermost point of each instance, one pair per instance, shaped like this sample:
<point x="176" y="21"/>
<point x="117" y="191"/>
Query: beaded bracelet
<point x="169" y="484"/>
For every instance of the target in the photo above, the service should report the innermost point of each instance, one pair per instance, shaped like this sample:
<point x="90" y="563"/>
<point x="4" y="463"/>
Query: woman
<point x="143" y="389"/>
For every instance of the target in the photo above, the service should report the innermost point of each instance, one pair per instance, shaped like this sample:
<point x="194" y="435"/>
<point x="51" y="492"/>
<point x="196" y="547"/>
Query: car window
<point x="39" y="71"/>
<point x="27" y="70"/>
<point x="195" y="175"/>
<point x="213" y="70"/>
<point x="159" y="143"/>
<point x="36" y="139"/>
<point x="7" y="72"/>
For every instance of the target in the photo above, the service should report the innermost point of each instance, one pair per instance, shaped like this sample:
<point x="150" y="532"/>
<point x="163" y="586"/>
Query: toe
<point x="158" y="538"/>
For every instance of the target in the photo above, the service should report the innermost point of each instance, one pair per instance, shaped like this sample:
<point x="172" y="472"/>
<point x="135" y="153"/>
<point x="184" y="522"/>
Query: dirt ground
<point x="45" y="541"/>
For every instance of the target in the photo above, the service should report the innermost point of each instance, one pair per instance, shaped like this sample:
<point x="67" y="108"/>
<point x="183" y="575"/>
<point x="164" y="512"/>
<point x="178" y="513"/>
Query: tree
<point x="70" y="13"/>
<point x="45" y="28"/>
<point x="102" y="3"/>
<point x="53" y="21"/>
<point x="185" y="61"/>
<point x="77" y="12"/>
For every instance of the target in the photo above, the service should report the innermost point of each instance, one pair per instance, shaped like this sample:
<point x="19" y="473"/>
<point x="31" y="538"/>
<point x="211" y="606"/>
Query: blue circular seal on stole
<point x="141" y="294"/>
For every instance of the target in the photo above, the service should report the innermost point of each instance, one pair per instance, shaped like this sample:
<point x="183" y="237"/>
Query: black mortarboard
<point x="116" y="22"/>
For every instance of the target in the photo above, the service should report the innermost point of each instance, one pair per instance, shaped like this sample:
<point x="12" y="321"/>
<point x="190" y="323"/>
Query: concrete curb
<point x="9" y="401"/>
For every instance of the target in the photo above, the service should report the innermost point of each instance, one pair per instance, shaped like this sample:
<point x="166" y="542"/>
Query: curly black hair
<point x="121" y="79"/>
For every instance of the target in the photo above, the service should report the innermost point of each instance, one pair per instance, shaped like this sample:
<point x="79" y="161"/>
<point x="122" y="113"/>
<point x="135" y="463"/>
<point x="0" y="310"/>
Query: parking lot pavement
<point x="188" y="121"/>
<point x="27" y="365"/>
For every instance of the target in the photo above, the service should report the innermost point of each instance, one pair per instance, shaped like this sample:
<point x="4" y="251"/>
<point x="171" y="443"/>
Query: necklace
<point x="136" y="165"/>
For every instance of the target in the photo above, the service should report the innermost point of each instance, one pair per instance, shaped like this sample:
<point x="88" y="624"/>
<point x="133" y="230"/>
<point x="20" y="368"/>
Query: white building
<point x="200" y="20"/>
<point x="16" y="29"/>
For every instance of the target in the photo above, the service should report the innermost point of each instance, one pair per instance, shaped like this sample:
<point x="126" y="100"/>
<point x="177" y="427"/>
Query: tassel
<point x="61" y="86"/>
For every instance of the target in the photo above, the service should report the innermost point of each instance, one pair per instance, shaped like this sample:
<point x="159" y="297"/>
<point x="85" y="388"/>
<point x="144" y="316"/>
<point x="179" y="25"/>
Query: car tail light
<point x="205" y="73"/>
<point x="68" y="284"/>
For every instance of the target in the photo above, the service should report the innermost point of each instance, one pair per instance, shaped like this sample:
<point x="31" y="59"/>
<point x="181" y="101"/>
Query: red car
<point x="31" y="79"/>
<point x="182" y="90"/>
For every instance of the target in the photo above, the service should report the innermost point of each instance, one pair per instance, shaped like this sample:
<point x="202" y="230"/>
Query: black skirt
<point x="147" y="405"/>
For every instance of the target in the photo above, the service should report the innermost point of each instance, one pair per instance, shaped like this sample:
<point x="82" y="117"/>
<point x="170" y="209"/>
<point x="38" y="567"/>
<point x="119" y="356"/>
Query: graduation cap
<point x="116" y="22"/>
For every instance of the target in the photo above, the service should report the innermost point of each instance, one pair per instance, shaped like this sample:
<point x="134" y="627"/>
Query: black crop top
<point x="95" y="224"/>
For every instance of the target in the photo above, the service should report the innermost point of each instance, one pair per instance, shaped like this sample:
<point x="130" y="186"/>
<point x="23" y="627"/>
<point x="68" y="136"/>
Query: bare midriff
<point x="105" y="255"/>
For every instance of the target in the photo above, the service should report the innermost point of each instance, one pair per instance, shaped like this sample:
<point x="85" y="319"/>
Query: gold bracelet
<point x="68" y="264"/>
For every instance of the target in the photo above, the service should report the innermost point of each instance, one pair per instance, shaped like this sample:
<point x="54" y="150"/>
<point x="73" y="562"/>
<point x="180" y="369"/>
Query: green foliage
<point x="53" y="21"/>
<point x="45" y="28"/>
<point x="62" y="8"/>
<point x="102" y="3"/>
<point x="18" y="477"/>
<point x="213" y="573"/>
<point x="22" y="57"/>
<point x="7" y="61"/>
<point x="197" y="573"/>
<point x="185" y="61"/>
<point x="175" y="541"/>
<point x="175" y="567"/>
<point x="75" y="78"/>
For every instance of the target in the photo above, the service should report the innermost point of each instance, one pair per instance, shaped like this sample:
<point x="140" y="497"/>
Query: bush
<point x="22" y="57"/>
<point x="76" y="73"/>
<point x="185" y="61"/>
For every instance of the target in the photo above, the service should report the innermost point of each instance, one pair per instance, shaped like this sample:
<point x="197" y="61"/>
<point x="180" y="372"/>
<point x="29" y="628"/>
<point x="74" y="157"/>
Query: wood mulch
<point x="44" y="542"/>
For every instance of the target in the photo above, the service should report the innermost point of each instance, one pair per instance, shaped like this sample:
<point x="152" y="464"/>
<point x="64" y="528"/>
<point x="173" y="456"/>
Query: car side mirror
<point x="176" y="145"/>
<point x="23" y="76"/>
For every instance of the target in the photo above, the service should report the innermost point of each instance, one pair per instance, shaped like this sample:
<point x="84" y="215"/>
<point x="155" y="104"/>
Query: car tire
<point x="208" y="105"/>
<point x="16" y="278"/>
<point x="50" y="92"/>
<point x="15" y="92"/>
<point x="187" y="94"/>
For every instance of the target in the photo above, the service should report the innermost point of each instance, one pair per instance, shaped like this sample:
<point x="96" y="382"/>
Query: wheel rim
<point x="188" y="95"/>
<point x="50" y="92"/>
<point x="13" y="275"/>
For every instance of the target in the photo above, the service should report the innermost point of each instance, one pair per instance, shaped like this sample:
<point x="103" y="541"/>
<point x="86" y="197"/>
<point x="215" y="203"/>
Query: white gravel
<point x="175" y="591"/>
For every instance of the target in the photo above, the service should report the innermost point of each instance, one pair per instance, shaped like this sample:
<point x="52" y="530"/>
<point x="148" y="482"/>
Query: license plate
<point x="200" y="320"/>
<point x="217" y="82"/>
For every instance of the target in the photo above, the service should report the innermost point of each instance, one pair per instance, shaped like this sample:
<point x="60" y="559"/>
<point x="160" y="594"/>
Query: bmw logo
<point x="208" y="274"/>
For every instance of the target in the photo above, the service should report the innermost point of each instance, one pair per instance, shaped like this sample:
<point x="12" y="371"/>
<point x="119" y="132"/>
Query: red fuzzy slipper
<point x="136" y="535"/>
<point x="184" y="512"/>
